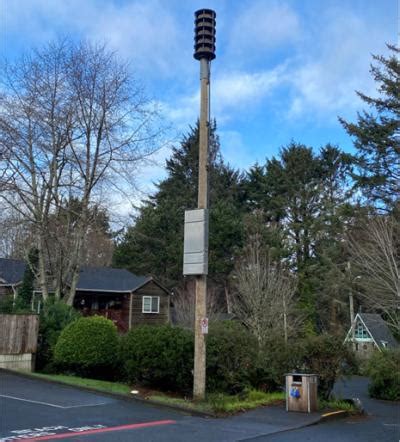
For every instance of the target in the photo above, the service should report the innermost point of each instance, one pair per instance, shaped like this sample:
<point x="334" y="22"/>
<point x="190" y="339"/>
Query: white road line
<point x="50" y="405"/>
<point x="86" y="405"/>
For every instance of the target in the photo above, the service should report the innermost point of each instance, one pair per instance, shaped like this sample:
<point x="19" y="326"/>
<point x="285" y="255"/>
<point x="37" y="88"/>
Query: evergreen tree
<point x="25" y="292"/>
<point x="154" y="244"/>
<point x="303" y="198"/>
<point x="377" y="135"/>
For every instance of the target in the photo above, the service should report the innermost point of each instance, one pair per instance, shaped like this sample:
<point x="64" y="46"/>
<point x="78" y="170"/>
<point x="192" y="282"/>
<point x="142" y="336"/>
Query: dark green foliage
<point x="9" y="305"/>
<point x="384" y="371"/>
<point x="273" y="362"/>
<point x="231" y="357"/>
<point x="161" y="357"/>
<point x="55" y="315"/>
<point x="88" y="347"/>
<point x="326" y="356"/>
<point x="26" y="291"/>
<point x="154" y="244"/>
<point x="301" y="197"/>
<point x="377" y="135"/>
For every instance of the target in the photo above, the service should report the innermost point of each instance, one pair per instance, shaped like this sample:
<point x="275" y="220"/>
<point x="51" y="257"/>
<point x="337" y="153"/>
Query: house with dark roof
<point x="125" y="298"/>
<point x="368" y="333"/>
<point x="11" y="276"/>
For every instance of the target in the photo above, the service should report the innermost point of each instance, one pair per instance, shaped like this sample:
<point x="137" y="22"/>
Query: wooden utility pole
<point x="204" y="52"/>
<point x="201" y="280"/>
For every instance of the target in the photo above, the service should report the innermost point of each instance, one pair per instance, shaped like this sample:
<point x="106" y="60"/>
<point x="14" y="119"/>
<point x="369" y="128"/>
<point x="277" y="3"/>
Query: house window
<point x="151" y="304"/>
<point x="361" y="332"/>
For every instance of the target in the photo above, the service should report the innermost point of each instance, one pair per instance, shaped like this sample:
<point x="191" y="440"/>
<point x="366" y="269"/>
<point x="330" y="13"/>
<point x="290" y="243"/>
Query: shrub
<point x="160" y="356"/>
<point x="276" y="359"/>
<point x="323" y="355"/>
<point x="54" y="317"/>
<point x="384" y="371"/>
<point x="88" y="347"/>
<point x="231" y="357"/>
<point x="11" y="306"/>
<point x="326" y="356"/>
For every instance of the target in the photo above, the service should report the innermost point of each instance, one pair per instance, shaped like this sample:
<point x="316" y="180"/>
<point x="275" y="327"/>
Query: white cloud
<point x="263" y="25"/>
<point x="146" y="32"/>
<point x="230" y="93"/>
<point x="238" y="89"/>
<point x="325" y="77"/>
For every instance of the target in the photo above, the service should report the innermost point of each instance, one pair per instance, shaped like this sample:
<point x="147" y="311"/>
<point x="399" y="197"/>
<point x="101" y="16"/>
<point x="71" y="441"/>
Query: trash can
<point x="301" y="392"/>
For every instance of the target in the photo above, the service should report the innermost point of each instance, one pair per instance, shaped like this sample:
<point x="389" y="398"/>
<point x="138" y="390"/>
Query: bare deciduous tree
<point x="263" y="299"/>
<point x="376" y="256"/>
<point x="184" y="303"/>
<point x="71" y="119"/>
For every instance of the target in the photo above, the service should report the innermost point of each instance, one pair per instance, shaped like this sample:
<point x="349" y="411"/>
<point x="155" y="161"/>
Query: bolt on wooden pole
<point x="204" y="52"/>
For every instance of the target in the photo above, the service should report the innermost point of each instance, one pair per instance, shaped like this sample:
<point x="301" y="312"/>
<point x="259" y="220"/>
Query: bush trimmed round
<point x="160" y="356"/>
<point x="88" y="346"/>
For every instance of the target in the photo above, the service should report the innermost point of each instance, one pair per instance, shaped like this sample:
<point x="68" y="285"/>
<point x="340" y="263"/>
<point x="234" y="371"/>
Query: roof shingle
<point x="379" y="329"/>
<point x="109" y="279"/>
<point x="11" y="271"/>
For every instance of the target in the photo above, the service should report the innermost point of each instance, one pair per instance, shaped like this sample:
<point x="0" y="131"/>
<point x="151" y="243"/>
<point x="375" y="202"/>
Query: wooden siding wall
<point x="19" y="334"/>
<point x="140" y="318"/>
<point x="6" y="290"/>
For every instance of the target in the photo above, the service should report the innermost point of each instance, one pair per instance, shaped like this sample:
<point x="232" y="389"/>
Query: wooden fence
<point x="18" y="334"/>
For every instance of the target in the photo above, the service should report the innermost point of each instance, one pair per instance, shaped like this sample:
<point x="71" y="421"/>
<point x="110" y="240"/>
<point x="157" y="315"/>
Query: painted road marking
<point x="38" y="434"/>
<point x="50" y="405"/>
<point x="332" y="413"/>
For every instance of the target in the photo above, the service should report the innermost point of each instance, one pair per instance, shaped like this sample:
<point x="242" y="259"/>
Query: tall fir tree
<point x="303" y="197"/>
<point x="377" y="135"/>
<point x="154" y="244"/>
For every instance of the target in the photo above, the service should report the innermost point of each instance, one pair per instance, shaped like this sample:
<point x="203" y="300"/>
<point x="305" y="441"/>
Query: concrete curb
<point x="120" y="396"/>
<point x="318" y="420"/>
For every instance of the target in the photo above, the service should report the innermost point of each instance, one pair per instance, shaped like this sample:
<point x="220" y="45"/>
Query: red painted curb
<point x="103" y="430"/>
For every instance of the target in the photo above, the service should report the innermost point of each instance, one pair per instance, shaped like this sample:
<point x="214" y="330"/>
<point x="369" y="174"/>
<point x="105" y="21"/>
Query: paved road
<point x="381" y="424"/>
<point x="31" y="409"/>
<point x="37" y="410"/>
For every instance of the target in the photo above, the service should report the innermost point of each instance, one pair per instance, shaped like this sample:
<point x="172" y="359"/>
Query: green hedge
<point x="159" y="356"/>
<point x="324" y="355"/>
<point x="231" y="357"/>
<point x="88" y="346"/>
<point x="384" y="371"/>
<point x="274" y="360"/>
<point x="162" y="357"/>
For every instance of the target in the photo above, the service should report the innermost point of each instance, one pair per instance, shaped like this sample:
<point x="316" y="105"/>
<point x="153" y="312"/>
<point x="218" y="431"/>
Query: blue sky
<point x="284" y="69"/>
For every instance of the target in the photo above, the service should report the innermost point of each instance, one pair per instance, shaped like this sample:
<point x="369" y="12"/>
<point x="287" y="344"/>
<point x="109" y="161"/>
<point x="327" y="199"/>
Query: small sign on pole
<point x="204" y="326"/>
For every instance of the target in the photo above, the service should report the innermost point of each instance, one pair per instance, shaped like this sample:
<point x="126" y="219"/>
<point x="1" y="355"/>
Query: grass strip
<point x="105" y="386"/>
<point x="337" y="404"/>
<point x="223" y="403"/>
<point x="217" y="403"/>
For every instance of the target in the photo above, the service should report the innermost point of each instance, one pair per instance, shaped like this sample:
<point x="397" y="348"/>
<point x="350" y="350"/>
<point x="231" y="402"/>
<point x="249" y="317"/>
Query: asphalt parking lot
<point x="36" y="410"/>
<point x="31" y="409"/>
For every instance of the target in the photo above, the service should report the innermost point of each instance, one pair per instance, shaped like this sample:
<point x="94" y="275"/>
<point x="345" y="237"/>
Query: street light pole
<point x="204" y="51"/>
<point x="351" y="303"/>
